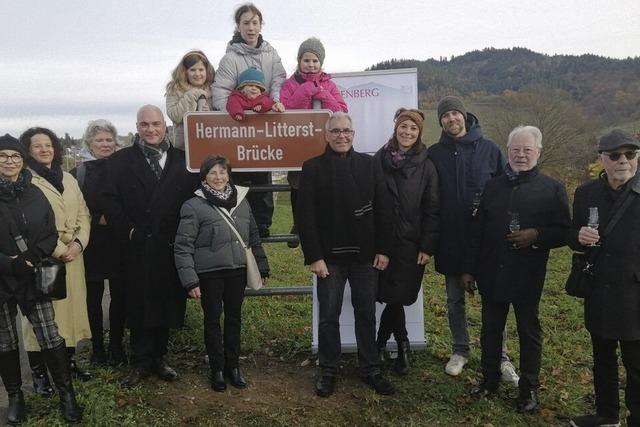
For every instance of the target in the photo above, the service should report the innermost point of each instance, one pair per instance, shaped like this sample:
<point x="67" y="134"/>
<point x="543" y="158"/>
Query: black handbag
<point x="578" y="283"/>
<point x="50" y="273"/>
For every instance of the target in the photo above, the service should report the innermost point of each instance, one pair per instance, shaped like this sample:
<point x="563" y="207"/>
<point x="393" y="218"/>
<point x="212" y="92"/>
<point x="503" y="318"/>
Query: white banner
<point x="373" y="98"/>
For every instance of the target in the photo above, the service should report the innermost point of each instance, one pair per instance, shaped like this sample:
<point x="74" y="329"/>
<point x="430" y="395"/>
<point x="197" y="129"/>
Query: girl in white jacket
<point x="190" y="82"/>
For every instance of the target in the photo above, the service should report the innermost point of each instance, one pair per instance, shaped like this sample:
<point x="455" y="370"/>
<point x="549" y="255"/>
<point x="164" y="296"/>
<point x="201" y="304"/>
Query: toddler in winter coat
<point x="309" y="88"/>
<point x="250" y="94"/>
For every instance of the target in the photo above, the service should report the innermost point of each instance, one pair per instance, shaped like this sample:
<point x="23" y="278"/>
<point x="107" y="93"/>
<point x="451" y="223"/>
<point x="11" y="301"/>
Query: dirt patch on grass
<point x="279" y="393"/>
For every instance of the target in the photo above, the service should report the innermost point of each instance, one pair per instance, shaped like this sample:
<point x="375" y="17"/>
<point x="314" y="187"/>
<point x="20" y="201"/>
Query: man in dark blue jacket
<point x="465" y="161"/>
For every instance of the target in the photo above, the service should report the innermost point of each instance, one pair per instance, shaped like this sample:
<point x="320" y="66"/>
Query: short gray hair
<point x="335" y="116"/>
<point x="531" y="130"/>
<point x="96" y="126"/>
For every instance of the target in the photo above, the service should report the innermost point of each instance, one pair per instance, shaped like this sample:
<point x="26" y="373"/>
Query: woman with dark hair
<point x="189" y="90"/>
<point x="103" y="257"/>
<point x="211" y="263"/>
<point x="44" y="160"/>
<point x="25" y="211"/>
<point x="248" y="49"/>
<point x="412" y="182"/>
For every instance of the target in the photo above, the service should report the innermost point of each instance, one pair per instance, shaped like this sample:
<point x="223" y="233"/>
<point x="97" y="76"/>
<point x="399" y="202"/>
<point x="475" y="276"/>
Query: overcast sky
<point x="65" y="62"/>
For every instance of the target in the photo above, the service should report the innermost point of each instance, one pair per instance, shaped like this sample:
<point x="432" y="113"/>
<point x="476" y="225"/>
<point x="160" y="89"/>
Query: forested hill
<point x="607" y="88"/>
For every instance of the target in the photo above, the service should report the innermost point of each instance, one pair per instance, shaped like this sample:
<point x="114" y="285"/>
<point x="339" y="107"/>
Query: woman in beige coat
<point x="73" y="223"/>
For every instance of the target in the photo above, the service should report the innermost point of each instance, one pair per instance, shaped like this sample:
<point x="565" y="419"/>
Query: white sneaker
<point x="455" y="365"/>
<point x="509" y="374"/>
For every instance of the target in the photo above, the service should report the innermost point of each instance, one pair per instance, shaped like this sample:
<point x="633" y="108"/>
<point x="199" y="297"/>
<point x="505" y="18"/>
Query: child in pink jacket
<point x="309" y="88"/>
<point x="250" y="94"/>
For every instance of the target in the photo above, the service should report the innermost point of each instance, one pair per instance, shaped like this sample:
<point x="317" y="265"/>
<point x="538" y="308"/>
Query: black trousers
<point x="392" y="321"/>
<point x="148" y="345"/>
<point x="494" y="318"/>
<point x="261" y="202"/>
<point x="605" y="377"/>
<point x="117" y="312"/>
<point x="223" y="293"/>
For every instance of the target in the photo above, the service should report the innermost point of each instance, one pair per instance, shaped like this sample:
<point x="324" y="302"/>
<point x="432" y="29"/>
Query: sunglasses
<point x="614" y="157"/>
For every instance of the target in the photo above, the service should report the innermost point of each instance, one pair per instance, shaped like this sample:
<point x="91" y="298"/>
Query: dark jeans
<point x="117" y="312"/>
<point x="392" y="321"/>
<point x="149" y="345"/>
<point x="605" y="377"/>
<point x="494" y="318"/>
<point x="330" y="290"/>
<point x="223" y="293"/>
<point x="261" y="202"/>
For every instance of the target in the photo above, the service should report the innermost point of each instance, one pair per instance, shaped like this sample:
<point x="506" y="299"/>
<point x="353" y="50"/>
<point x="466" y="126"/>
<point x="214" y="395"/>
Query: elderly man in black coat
<point x="612" y="306"/>
<point x="345" y="227"/>
<point x="146" y="186"/>
<point x="522" y="215"/>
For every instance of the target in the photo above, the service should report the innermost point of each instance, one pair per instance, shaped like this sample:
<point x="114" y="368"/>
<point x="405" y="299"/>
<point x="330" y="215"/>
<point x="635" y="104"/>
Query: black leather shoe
<point x="402" y="361"/>
<point x="527" y="401"/>
<point x="484" y="390"/>
<point x="17" y="410"/>
<point x="217" y="381"/>
<point x="325" y="385"/>
<point x="379" y="384"/>
<point x="235" y="378"/>
<point x="164" y="371"/>
<point x="134" y="377"/>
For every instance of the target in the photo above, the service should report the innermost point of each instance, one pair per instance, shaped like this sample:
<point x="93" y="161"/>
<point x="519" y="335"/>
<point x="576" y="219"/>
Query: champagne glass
<point x="593" y="221"/>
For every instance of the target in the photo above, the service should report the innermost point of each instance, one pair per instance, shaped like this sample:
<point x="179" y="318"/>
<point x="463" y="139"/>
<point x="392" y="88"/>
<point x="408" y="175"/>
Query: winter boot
<point x="41" y="383"/>
<point x="58" y="363"/>
<point x="402" y="361"/>
<point x="12" y="379"/>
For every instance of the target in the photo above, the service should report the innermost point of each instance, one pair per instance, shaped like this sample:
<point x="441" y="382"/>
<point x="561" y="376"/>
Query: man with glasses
<point x="147" y="184"/>
<point x="521" y="216"/>
<point x="344" y="227"/>
<point x="612" y="306"/>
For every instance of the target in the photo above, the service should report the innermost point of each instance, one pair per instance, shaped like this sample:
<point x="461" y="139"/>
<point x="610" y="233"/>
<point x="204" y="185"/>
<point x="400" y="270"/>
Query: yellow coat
<point x="73" y="221"/>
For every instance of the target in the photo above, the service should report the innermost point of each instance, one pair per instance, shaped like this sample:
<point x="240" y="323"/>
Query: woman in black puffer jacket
<point x="26" y="212"/>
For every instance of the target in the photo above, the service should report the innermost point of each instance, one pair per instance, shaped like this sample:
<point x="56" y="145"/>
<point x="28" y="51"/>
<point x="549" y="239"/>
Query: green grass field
<point x="276" y="341"/>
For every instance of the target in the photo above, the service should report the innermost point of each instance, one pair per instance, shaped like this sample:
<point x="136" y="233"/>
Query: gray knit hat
<point x="450" y="103"/>
<point x="314" y="46"/>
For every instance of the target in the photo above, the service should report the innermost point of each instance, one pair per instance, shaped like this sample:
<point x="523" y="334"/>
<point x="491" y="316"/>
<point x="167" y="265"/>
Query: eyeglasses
<point x="615" y="156"/>
<point x="345" y="132"/>
<point x="15" y="158"/>
<point x="147" y="125"/>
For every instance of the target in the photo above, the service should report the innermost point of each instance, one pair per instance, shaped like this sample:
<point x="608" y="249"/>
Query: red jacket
<point x="237" y="103"/>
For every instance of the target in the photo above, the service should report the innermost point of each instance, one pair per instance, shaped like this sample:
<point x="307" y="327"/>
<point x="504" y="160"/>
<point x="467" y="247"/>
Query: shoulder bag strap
<point x="228" y="221"/>
<point x="13" y="228"/>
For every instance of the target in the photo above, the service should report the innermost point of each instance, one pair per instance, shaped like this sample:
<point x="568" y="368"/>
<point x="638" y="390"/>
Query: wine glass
<point x="593" y="221"/>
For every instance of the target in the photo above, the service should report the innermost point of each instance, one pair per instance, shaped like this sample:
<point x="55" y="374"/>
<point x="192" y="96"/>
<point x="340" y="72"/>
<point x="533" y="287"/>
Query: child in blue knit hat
<point x="250" y="94"/>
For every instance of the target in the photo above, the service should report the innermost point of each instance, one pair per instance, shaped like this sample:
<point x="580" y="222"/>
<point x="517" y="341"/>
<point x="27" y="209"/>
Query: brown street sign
<point x="261" y="142"/>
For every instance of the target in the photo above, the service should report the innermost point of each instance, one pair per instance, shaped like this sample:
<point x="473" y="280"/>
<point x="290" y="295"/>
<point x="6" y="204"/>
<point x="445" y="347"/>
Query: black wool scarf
<point x="153" y="153"/>
<point x="53" y="175"/>
<point x="224" y="199"/>
<point x="9" y="190"/>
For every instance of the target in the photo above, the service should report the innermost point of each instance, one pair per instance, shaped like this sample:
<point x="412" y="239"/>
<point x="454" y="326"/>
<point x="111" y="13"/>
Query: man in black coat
<point x="344" y="225"/>
<point x="612" y="307"/>
<point x="146" y="186"/>
<point x="465" y="160"/>
<point x="522" y="215"/>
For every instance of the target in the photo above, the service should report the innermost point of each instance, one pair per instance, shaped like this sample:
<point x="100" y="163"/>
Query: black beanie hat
<point x="8" y="142"/>
<point x="450" y="103"/>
